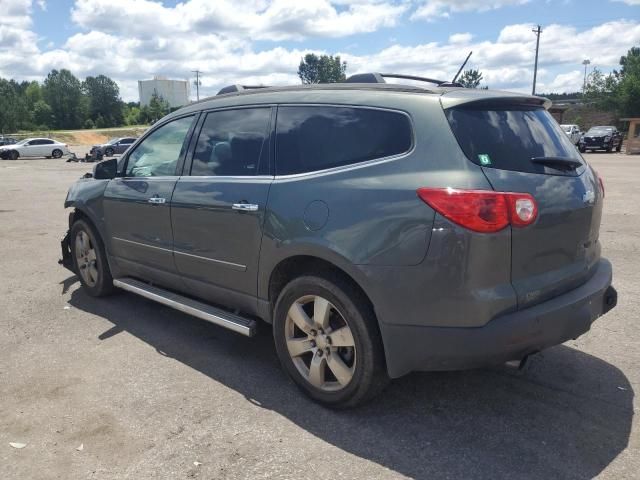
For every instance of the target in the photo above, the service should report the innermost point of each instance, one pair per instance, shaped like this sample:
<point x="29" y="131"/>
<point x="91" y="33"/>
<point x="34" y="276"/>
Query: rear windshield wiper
<point x="560" y="163"/>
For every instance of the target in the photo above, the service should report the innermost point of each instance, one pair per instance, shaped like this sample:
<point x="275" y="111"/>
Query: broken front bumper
<point x="67" y="260"/>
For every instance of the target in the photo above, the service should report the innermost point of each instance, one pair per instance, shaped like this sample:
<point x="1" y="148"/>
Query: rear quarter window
<point x="508" y="138"/>
<point x="312" y="138"/>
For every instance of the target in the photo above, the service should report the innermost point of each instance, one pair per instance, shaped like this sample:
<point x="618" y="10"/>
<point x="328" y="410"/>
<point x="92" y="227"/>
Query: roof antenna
<point x="461" y="67"/>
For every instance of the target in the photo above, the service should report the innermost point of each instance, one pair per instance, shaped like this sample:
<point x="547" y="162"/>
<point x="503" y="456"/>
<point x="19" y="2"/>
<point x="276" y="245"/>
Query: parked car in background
<point x="601" y="138"/>
<point x="34" y="147"/>
<point x="115" y="146"/>
<point x="7" y="140"/>
<point x="573" y="132"/>
<point x="381" y="228"/>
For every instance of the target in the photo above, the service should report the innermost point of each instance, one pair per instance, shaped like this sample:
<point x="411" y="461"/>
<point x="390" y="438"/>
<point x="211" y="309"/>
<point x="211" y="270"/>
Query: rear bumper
<point x="508" y="337"/>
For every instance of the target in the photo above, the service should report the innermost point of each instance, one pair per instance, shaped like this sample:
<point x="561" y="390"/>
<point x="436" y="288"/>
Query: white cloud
<point x="276" y="20"/>
<point x="157" y="40"/>
<point x="629" y="2"/>
<point x="433" y="9"/>
<point x="461" y="38"/>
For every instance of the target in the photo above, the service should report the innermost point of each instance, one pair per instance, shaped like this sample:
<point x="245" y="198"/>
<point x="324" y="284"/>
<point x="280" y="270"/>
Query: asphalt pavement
<point x="123" y="388"/>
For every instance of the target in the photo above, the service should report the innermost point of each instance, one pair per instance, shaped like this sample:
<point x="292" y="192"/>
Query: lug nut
<point x="313" y="344"/>
<point x="319" y="353"/>
<point x="313" y="333"/>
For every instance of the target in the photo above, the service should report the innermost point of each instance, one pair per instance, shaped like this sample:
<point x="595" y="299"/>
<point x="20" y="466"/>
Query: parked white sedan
<point x="573" y="132"/>
<point x="34" y="147"/>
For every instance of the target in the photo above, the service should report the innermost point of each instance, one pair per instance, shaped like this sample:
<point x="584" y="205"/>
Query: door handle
<point x="245" y="207"/>
<point x="156" y="200"/>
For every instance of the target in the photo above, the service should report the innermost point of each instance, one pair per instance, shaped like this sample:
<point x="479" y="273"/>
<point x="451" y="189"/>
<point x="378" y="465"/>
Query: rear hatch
<point x="521" y="148"/>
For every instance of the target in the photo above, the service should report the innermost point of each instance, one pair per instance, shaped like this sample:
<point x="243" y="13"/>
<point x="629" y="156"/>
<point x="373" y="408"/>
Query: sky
<point x="262" y="42"/>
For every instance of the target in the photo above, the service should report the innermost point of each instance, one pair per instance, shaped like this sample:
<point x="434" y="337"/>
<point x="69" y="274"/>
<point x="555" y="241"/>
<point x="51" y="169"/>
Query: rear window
<point x="312" y="138"/>
<point x="509" y="138"/>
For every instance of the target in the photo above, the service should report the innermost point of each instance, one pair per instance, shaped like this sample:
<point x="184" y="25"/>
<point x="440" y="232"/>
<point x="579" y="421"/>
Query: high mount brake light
<point x="483" y="211"/>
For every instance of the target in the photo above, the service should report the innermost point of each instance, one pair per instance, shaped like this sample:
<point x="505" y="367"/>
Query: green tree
<point x="158" y="108"/>
<point x="33" y="94"/>
<point x="322" y="69"/>
<point x="42" y="114"/>
<point x="103" y="99"/>
<point x="628" y="84"/>
<point x="470" y="78"/>
<point x="63" y="93"/>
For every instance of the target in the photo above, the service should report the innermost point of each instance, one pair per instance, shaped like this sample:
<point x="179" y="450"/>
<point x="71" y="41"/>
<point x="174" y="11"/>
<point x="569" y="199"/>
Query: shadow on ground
<point x="568" y="415"/>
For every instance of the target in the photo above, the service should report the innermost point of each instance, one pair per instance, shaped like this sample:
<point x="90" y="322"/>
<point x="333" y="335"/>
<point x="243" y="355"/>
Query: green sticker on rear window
<point x="484" y="159"/>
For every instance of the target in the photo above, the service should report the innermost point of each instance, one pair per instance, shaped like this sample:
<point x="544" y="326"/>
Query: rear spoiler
<point x="488" y="98"/>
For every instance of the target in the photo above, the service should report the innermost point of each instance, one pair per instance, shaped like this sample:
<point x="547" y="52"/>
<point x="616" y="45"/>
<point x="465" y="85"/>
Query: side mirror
<point x="106" y="170"/>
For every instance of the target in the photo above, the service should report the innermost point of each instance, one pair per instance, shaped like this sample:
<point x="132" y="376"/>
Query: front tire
<point x="619" y="147"/>
<point x="327" y="340"/>
<point x="582" y="149"/>
<point x="13" y="155"/>
<point x="90" y="260"/>
<point x="108" y="152"/>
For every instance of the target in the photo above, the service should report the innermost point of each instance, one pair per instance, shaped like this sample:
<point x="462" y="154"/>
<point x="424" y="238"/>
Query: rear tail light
<point x="600" y="184"/>
<point x="482" y="211"/>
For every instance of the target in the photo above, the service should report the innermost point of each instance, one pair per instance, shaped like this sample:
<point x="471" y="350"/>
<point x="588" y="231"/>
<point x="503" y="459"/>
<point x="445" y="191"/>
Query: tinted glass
<point x="232" y="142"/>
<point x="317" y="138"/>
<point x="509" y="138"/>
<point x="126" y="141"/>
<point x="158" y="154"/>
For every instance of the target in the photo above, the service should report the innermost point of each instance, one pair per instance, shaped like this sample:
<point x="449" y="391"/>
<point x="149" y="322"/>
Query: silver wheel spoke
<point x="321" y="311"/>
<point x="342" y="373"/>
<point x="342" y="337"/>
<point x="93" y="272"/>
<point x="91" y="256"/>
<point x="316" y="371"/>
<point x="300" y="318"/>
<point x="298" y="346"/>
<point x="84" y="241"/>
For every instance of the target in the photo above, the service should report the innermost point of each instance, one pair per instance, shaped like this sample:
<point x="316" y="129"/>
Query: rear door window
<point x="508" y="138"/>
<point x="232" y="143"/>
<point x="312" y="138"/>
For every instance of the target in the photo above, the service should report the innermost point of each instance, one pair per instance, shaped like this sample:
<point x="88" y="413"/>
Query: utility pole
<point x="197" y="72"/>
<point x="537" y="31"/>
<point x="585" y="62"/>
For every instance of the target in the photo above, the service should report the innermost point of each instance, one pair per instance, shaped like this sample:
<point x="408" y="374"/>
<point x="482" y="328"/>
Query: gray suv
<point x="380" y="228"/>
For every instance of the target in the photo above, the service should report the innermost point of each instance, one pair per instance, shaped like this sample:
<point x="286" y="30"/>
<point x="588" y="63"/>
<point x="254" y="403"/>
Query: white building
<point x="176" y="92"/>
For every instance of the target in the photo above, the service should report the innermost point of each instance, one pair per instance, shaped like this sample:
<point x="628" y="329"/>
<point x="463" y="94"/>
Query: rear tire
<point x="90" y="260"/>
<point x="619" y="147"/>
<point x="336" y="359"/>
<point x="56" y="153"/>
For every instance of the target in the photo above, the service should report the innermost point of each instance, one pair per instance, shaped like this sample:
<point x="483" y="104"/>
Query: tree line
<point x="63" y="101"/>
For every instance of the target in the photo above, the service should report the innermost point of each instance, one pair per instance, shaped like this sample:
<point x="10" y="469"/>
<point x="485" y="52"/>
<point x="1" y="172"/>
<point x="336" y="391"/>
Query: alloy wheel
<point x="320" y="343"/>
<point x="86" y="258"/>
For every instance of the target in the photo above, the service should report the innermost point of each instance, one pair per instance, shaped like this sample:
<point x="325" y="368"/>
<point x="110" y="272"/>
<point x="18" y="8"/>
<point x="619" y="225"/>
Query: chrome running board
<point x="238" y="324"/>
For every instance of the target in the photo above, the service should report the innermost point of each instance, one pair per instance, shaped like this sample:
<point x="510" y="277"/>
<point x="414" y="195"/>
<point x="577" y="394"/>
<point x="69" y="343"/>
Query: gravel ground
<point x="151" y="393"/>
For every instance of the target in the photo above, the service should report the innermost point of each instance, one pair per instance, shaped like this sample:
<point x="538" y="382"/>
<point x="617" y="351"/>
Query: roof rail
<point x="238" y="88"/>
<point x="380" y="78"/>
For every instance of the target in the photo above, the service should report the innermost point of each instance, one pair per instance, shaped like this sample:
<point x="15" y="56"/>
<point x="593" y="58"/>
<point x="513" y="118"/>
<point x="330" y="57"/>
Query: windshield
<point x="599" y="131"/>
<point x="509" y="138"/>
<point x="112" y="141"/>
<point x="22" y="142"/>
